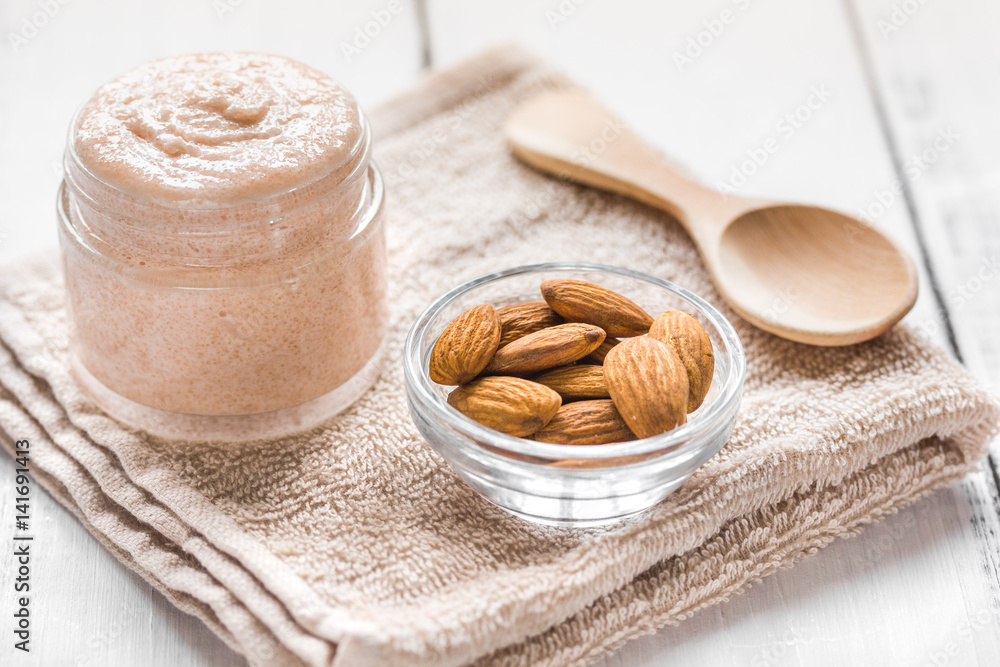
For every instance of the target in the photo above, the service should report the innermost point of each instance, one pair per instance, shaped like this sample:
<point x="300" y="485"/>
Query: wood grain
<point x="901" y="592"/>
<point x="938" y="97"/>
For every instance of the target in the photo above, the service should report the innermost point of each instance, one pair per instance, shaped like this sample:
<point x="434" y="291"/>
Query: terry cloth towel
<point x="354" y="544"/>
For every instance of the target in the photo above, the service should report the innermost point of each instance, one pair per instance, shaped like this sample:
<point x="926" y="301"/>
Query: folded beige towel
<point x="354" y="544"/>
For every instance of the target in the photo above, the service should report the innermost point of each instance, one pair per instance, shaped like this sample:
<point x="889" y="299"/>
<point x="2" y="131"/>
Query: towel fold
<point x="355" y="544"/>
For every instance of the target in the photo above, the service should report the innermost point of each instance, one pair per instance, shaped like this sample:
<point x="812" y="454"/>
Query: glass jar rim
<point x="667" y="445"/>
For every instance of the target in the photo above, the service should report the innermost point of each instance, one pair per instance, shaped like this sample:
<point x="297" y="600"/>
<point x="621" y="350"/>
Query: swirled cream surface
<point x="220" y="128"/>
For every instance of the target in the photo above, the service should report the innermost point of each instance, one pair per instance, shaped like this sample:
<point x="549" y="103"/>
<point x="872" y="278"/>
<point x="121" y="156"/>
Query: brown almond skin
<point x="466" y="346"/>
<point x="586" y="423"/>
<point x="520" y="319"/>
<point x="648" y="384"/>
<point x="514" y="406"/>
<point x="575" y="383"/>
<point x="691" y="343"/>
<point x="548" y="348"/>
<point x="598" y="355"/>
<point x="581" y="301"/>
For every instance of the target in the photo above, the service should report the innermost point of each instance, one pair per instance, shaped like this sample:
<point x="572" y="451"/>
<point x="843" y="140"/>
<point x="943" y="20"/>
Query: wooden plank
<point x="930" y="565"/>
<point x="89" y="609"/>
<point x="932" y="67"/>
<point x="673" y="112"/>
<point x="935" y="64"/>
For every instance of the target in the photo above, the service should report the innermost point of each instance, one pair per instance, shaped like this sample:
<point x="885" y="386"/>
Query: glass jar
<point x="243" y="316"/>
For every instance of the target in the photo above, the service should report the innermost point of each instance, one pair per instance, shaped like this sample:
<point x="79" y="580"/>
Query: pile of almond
<point x="586" y="366"/>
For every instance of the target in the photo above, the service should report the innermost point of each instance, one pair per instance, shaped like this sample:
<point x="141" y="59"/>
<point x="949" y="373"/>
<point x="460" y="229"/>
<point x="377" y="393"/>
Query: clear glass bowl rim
<point x="421" y="387"/>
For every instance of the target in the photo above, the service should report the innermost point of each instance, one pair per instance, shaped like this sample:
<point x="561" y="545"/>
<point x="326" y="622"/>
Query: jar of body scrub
<point x="224" y="253"/>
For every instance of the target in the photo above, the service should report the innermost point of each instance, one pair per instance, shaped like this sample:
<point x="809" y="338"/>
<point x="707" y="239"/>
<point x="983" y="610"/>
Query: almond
<point x="691" y="343"/>
<point x="575" y="382"/>
<point x="514" y="406"/>
<point x="555" y="346"/>
<point x="466" y="346"/>
<point x="581" y="301"/>
<point x="598" y="355"/>
<point x="586" y="423"/>
<point x="648" y="384"/>
<point x="520" y="319"/>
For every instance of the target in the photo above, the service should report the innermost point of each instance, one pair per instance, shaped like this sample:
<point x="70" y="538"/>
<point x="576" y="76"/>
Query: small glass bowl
<point x="572" y="485"/>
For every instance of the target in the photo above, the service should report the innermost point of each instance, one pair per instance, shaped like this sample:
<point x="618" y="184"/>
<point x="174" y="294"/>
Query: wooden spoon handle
<point x="570" y="135"/>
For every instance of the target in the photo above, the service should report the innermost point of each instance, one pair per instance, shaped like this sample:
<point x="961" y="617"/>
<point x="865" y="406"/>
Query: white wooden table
<point x="904" y="96"/>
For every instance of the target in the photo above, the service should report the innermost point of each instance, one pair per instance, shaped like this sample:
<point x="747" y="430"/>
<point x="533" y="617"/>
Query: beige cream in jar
<point x="221" y="226"/>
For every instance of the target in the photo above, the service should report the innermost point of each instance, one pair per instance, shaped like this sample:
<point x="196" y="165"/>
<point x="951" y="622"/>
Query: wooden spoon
<point x="802" y="272"/>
